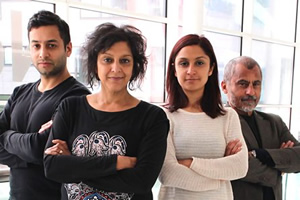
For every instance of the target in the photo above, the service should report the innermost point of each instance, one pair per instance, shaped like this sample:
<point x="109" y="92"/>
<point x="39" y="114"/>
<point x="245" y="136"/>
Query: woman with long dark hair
<point x="206" y="148"/>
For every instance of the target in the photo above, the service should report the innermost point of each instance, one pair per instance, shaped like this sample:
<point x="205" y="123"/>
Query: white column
<point x="193" y="16"/>
<point x="247" y="28"/>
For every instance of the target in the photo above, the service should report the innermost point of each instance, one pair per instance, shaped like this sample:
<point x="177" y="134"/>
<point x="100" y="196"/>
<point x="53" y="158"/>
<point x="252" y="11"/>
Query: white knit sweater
<point x="197" y="136"/>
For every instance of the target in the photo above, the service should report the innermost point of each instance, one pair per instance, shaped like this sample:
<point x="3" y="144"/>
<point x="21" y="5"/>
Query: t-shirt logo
<point x="99" y="143"/>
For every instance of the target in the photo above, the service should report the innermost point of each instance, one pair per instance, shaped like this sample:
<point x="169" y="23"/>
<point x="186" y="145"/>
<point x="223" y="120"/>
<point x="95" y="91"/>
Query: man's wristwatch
<point x="253" y="153"/>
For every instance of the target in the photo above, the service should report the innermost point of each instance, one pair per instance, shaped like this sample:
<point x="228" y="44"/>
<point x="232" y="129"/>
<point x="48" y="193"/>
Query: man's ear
<point x="224" y="87"/>
<point x="69" y="49"/>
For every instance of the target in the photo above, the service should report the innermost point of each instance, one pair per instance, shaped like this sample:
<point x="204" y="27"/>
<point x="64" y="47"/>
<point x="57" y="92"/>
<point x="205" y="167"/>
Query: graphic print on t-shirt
<point x="99" y="143"/>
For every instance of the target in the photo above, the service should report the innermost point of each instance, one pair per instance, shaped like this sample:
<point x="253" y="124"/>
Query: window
<point x="275" y="19"/>
<point x="276" y="62"/>
<point x="224" y="14"/>
<point x="153" y="7"/>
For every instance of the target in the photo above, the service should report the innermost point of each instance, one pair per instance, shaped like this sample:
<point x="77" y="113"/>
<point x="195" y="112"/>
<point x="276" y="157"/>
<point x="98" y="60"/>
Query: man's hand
<point x="124" y="162"/>
<point x="233" y="147"/>
<point x="45" y="126"/>
<point x="60" y="147"/>
<point x="287" y="144"/>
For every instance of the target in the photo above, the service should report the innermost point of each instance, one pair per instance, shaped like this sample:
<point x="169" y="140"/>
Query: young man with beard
<point x="272" y="148"/>
<point x="22" y="137"/>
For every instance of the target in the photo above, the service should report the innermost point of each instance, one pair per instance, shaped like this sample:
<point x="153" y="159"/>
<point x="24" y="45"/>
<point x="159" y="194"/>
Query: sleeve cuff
<point x="264" y="157"/>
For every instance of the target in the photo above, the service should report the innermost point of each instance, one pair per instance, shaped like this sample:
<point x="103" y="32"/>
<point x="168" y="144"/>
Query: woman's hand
<point x="233" y="147"/>
<point x="186" y="162"/>
<point x="60" y="147"/>
<point x="124" y="162"/>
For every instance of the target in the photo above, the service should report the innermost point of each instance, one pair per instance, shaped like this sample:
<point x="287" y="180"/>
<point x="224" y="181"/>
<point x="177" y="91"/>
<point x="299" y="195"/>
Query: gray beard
<point x="245" y="109"/>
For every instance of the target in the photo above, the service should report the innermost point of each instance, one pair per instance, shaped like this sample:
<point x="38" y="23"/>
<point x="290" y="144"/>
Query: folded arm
<point x="27" y="146"/>
<point x="11" y="160"/>
<point x="102" y="172"/>
<point x="174" y="174"/>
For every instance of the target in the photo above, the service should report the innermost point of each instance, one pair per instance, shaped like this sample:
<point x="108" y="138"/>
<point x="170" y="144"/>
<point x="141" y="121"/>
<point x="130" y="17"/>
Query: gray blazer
<point x="273" y="133"/>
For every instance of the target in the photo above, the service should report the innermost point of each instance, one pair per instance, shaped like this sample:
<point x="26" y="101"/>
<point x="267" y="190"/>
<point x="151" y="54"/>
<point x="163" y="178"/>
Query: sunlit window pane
<point x="225" y="14"/>
<point x="276" y="19"/>
<point x="276" y="62"/>
<point x="150" y="7"/>
<point x="153" y="87"/>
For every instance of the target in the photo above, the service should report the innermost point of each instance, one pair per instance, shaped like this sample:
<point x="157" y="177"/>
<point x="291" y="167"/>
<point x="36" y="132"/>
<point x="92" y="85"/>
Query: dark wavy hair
<point x="47" y="18"/>
<point x="211" y="102"/>
<point x="105" y="36"/>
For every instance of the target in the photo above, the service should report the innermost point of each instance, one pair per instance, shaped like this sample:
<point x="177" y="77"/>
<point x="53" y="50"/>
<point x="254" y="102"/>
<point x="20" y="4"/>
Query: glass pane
<point x="276" y="62"/>
<point x="291" y="186"/>
<point x="276" y="19"/>
<point x="150" y="7"/>
<point x="15" y="63"/>
<point x="153" y="85"/>
<point x="226" y="14"/>
<point x="226" y="47"/>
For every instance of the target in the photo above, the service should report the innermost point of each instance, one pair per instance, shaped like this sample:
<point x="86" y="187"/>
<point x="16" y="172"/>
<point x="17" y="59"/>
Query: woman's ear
<point x="173" y="65"/>
<point x="211" y="70"/>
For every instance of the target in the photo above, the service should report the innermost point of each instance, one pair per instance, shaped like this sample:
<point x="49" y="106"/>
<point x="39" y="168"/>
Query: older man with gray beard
<point x="272" y="148"/>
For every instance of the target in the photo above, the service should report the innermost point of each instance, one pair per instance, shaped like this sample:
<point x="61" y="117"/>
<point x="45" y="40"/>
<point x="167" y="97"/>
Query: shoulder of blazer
<point x="267" y="116"/>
